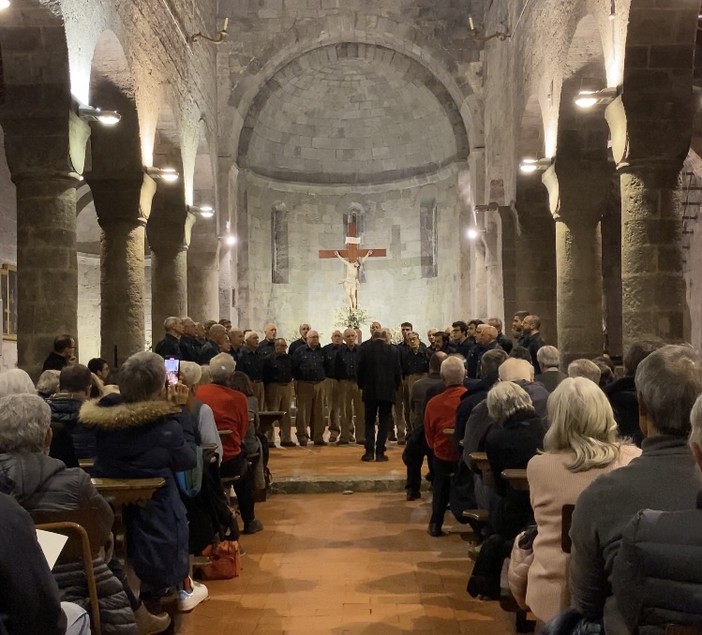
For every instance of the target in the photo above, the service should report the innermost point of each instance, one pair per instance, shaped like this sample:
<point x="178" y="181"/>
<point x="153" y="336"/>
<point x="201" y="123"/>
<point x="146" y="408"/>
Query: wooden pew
<point x="128" y="491"/>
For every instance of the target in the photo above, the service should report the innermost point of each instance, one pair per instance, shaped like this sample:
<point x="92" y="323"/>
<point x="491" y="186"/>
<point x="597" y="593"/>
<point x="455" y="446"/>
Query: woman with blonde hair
<point x="580" y="445"/>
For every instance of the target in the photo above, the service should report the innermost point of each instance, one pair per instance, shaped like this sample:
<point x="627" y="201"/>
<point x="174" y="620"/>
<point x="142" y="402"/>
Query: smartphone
<point x="172" y="370"/>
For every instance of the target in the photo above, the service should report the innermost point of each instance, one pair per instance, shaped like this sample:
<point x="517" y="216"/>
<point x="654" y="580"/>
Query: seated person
<point x="231" y="412"/>
<point x="663" y="478"/>
<point x="581" y="444"/>
<point x="71" y="439"/>
<point x="42" y="483"/>
<point x="585" y="368"/>
<point x="31" y="603"/>
<point x="549" y="359"/>
<point x="656" y="576"/>
<point x="48" y="383"/>
<point x="517" y="435"/>
<point x="144" y="432"/>
<point x="15" y="381"/>
<point x="191" y="376"/>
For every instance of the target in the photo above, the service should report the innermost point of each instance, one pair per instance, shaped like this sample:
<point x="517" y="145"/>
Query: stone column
<point x="203" y="284"/>
<point x="123" y="207"/>
<point x="578" y="191"/>
<point x="45" y="157"/>
<point x="169" y="283"/>
<point x="649" y="145"/>
<point x="493" y="263"/>
<point x="509" y="265"/>
<point x="612" y="274"/>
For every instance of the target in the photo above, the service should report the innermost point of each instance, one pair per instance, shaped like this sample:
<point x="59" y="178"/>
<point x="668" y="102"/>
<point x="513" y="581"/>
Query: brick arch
<point x="389" y="33"/>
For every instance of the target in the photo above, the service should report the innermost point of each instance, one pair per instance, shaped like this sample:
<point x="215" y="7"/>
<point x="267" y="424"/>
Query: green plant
<point x="350" y="318"/>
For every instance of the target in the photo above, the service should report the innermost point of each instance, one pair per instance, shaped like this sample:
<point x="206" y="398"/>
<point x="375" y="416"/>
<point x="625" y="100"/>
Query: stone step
<point x="337" y="484"/>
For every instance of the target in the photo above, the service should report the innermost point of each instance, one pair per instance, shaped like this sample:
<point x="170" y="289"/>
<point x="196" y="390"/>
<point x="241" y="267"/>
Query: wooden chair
<point x="83" y="545"/>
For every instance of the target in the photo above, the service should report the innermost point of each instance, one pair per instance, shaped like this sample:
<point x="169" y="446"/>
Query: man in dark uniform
<point x="308" y="372"/>
<point x="277" y="379"/>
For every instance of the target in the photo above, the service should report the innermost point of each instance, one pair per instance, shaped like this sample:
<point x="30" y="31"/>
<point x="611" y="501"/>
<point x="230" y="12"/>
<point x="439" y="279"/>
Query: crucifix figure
<point x="353" y="258"/>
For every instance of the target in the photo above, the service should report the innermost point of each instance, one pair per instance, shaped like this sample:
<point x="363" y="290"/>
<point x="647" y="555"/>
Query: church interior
<point x="463" y="158"/>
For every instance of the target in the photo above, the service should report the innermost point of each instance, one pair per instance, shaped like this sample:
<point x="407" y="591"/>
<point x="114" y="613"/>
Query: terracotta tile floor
<point x="335" y="563"/>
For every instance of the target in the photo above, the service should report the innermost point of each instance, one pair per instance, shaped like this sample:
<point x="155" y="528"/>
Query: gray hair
<point x="24" y="422"/>
<point x="453" y="371"/>
<point x="190" y="373"/>
<point x="217" y="333"/>
<point x="222" y="368"/>
<point x="170" y="322"/>
<point x="668" y="383"/>
<point x="142" y="377"/>
<point x="505" y="399"/>
<point x="548" y="356"/>
<point x="15" y="381"/>
<point x="585" y="368"/>
<point x="48" y="383"/>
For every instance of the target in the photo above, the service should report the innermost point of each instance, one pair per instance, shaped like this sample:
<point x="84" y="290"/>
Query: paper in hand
<point x="51" y="545"/>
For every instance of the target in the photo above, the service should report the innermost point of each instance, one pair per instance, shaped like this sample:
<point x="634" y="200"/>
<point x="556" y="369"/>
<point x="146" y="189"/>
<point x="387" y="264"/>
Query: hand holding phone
<point x="172" y="370"/>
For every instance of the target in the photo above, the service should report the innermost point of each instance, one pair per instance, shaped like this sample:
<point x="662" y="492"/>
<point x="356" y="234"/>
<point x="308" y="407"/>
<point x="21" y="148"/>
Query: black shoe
<point x="368" y="456"/>
<point x="434" y="530"/>
<point x="333" y="439"/>
<point x="413" y="496"/>
<point x="289" y="444"/>
<point x="380" y="457"/>
<point x="303" y="443"/>
<point x="253" y="527"/>
<point x="321" y="442"/>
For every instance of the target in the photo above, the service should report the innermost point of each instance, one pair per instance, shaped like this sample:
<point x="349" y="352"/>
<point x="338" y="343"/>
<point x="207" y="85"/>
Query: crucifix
<point x="353" y="258"/>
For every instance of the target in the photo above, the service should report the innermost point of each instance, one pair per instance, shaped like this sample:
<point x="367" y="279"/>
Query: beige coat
<point x="552" y="485"/>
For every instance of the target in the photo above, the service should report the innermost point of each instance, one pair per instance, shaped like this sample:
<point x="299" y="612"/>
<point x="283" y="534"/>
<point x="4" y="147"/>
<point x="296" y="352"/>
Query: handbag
<point x="225" y="561"/>
<point x="519" y="562"/>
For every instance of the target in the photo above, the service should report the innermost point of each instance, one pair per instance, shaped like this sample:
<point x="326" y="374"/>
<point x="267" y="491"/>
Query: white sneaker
<point x="188" y="601"/>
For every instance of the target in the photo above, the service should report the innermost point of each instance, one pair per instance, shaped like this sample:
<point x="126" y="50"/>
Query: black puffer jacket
<point x="71" y="439"/>
<point x="656" y="578"/>
<point x="42" y="483"/>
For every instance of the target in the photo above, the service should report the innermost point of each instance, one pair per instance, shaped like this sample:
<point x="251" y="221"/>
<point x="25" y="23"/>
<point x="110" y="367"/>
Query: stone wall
<point x="390" y="217"/>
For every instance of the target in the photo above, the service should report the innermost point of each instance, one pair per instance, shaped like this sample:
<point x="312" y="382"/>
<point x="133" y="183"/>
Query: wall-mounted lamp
<point x="204" y="211"/>
<point x="105" y="117"/>
<point x="475" y="32"/>
<point x="529" y="166"/>
<point x="221" y="36"/>
<point x="168" y="175"/>
<point x="472" y="233"/>
<point x="590" y="98"/>
<point x="4" y="4"/>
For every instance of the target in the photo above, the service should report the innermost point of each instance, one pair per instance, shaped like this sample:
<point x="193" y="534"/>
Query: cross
<point x="353" y="253"/>
<point x="353" y="258"/>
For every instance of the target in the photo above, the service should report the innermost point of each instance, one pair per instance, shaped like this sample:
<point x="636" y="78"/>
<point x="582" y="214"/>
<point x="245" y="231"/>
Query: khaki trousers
<point x="259" y="393"/>
<point x="351" y="404"/>
<point x="399" y="416"/>
<point x="279" y="397"/>
<point x="310" y="410"/>
<point x="332" y="402"/>
<point x="407" y="384"/>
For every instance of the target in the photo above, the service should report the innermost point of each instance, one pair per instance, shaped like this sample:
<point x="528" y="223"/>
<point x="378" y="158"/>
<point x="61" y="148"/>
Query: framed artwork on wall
<point x="8" y="293"/>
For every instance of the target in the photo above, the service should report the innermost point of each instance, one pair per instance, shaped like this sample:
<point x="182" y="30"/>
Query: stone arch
<point x="391" y="34"/>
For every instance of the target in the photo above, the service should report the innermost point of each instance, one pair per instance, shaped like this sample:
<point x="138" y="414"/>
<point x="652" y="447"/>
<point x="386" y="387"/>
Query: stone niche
<point x="283" y="226"/>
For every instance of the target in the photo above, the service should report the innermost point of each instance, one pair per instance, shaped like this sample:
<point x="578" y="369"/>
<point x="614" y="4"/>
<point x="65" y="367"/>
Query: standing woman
<point x="581" y="443"/>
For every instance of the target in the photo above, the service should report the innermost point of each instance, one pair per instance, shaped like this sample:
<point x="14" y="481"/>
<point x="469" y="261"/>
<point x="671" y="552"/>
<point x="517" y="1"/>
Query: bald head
<point x="312" y="339"/>
<point x="513" y="369"/>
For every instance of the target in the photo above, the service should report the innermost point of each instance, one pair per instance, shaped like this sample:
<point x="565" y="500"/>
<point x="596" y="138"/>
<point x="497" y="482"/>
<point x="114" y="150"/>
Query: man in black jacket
<point x="169" y="346"/>
<point x="379" y="375"/>
<point x="64" y="351"/>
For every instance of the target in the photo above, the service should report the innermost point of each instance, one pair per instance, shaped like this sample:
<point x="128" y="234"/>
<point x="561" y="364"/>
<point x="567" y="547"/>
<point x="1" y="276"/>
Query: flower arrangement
<point x="350" y="318"/>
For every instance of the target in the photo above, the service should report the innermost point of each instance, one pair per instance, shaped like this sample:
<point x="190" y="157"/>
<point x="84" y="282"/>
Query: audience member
<point x="99" y="367"/>
<point x="656" y="576"/>
<point x="71" y="440"/>
<point x="33" y="605"/>
<point x="664" y="478"/>
<point x="191" y="376"/>
<point x="549" y="358"/>
<point x="143" y="432"/>
<point x="532" y="338"/>
<point x="622" y="392"/>
<point x="439" y="420"/>
<point x="580" y="445"/>
<point x="231" y="409"/>
<point x="584" y="368"/>
<point x="517" y="435"/>
<point x="48" y="383"/>
<point x="15" y="381"/>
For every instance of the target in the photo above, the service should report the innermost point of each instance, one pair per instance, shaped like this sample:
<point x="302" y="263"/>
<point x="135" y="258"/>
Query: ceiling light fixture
<point x="4" y="4"/>
<point x="204" y="211"/>
<point x="168" y="175"/>
<point x="529" y="165"/>
<point x="105" y="117"/>
<point x="589" y="98"/>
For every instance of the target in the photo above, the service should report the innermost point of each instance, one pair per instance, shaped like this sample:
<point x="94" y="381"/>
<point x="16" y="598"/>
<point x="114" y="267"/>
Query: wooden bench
<point x="517" y="479"/>
<point x="83" y="546"/>
<point x="128" y="491"/>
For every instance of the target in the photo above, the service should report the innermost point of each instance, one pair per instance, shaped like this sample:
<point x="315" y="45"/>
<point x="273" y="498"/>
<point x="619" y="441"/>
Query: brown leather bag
<point x="225" y="561"/>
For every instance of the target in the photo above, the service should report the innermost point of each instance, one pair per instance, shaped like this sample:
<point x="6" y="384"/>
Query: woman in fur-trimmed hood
<point x="143" y="432"/>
